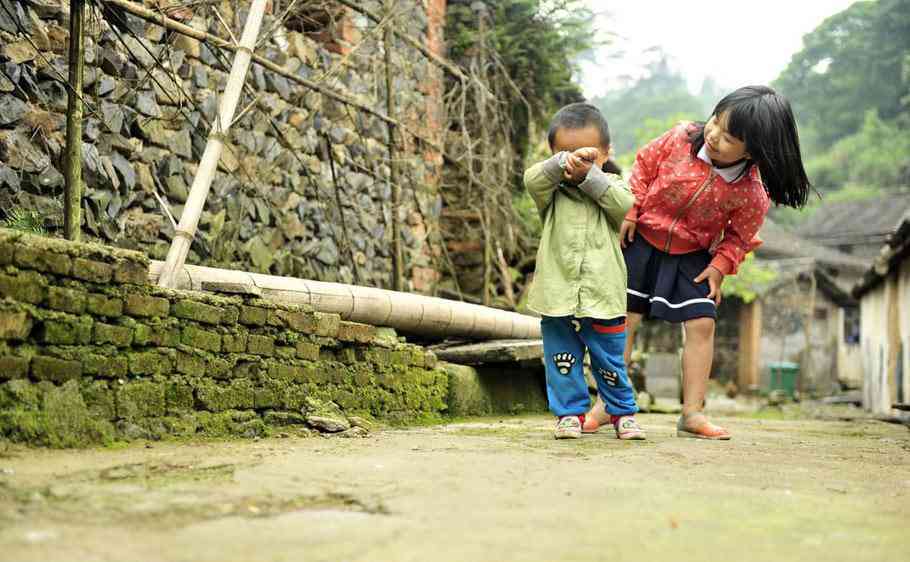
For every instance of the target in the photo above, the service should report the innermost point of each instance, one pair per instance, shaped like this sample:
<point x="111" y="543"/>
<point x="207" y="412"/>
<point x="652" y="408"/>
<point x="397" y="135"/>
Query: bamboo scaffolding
<point x="72" y="206"/>
<point x="397" y="256"/>
<point x="189" y="220"/>
<point x="407" y="312"/>
<point x="173" y="25"/>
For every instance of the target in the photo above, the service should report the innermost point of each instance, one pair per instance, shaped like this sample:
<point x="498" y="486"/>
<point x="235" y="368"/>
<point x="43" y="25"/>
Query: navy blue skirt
<point x="663" y="285"/>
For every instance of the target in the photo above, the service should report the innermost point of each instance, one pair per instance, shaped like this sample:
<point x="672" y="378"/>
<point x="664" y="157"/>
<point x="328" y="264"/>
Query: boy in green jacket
<point x="579" y="286"/>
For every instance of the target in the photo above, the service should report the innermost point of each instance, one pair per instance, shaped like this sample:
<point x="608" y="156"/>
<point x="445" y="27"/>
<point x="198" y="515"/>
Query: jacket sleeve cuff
<point x="632" y="215"/>
<point x="723" y="264"/>
<point x="553" y="167"/>
<point x="596" y="183"/>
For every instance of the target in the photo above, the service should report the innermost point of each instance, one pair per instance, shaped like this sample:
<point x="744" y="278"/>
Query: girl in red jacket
<point x="701" y="194"/>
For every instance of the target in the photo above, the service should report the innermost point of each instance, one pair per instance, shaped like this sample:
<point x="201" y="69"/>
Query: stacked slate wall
<point x="89" y="352"/>
<point x="274" y="205"/>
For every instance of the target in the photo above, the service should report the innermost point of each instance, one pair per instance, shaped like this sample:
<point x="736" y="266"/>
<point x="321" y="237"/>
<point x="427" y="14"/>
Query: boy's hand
<point x="579" y="163"/>
<point x="715" y="280"/>
<point x="627" y="233"/>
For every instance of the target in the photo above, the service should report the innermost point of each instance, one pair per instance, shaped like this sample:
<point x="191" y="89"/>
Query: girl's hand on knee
<point x="627" y="232"/>
<point x="715" y="280"/>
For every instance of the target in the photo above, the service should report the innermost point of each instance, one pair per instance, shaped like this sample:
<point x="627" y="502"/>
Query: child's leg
<point x="698" y="355"/>
<point x="598" y="415"/>
<point x="606" y="341"/>
<point x="563" y="350"/>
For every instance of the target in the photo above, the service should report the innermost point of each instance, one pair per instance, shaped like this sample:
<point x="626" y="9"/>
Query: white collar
<point x="729" y="174"/>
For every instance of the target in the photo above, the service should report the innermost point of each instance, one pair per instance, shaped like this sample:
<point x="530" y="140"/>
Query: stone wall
<point x="275" y="205"/>
<point x="89" y="352"/>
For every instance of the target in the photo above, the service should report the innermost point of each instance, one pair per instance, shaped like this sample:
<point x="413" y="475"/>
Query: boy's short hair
<point x="579" y="116"/>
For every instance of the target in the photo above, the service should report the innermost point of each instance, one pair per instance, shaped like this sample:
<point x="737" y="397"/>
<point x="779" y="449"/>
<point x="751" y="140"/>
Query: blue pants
<point x="564" y="341"/>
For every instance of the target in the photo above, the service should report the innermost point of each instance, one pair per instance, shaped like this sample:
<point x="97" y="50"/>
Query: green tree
<point x="877" y="155"/>
<point x="662" y="94"/>
<point x="853" y="62"/>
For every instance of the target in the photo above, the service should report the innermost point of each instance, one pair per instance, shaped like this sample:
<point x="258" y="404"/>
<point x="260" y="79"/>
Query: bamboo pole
<point x="72" y="206"/>
<point x="397" y="256"/>
<point x="407" y="312"/>
<point x="189" y="220"/>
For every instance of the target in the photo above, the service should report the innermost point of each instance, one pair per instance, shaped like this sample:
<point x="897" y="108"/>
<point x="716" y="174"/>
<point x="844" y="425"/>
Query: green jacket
<point x="580" y="268"/>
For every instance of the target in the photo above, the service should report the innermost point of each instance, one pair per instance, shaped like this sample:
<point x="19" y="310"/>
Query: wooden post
<point x="750" y="323"/>
<point x="189" y="220"/>
<point x="807" y="372"/>
<point x="72" y="206"/>
<point x="397" y="256"/>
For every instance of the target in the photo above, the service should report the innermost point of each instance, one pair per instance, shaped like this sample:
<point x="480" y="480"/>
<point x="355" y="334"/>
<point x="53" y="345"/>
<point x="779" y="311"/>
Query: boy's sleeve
<point x="741" y="235"/>
<point x="541" y="180"/>
<point x="644" y="171"/>
<point x="610" y="192"/>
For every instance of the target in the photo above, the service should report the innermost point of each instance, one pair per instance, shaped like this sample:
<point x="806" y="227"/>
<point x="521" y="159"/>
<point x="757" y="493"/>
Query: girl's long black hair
<point x="760" y="117"/>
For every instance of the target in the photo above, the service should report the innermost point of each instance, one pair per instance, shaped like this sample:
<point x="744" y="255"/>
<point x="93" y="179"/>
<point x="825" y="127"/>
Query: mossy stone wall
<point x="89" y="352"/>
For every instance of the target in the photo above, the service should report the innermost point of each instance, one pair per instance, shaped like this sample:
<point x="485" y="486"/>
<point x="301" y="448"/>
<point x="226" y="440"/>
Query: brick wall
<point x="89" y="352"/>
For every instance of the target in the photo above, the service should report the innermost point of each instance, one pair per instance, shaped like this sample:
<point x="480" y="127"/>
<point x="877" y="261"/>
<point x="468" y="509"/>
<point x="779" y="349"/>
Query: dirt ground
<point x="489" y="489"/>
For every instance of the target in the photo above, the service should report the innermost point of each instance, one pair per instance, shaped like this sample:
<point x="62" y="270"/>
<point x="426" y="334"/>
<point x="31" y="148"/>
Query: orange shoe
<point x="704" y="430"/>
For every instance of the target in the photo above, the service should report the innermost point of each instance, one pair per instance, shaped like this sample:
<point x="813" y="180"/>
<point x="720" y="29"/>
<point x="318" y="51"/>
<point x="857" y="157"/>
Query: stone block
<point x="145" y="306"/>
<point x="149" y="363"/>
<point x="140" y="399"/>
<point x="347" y="355"/>
<point x="28" y="286"/>
<point x="13" y="367"/>
<point x="234" y="343"/>
<point x="385" y="337"/>
<point x="70" y="331"/>
<point x="307" y="350"/>
<point x="192" y="310"/>
<point x="316" y="323"/>
<point x="131" y="272"/>
<point x="66" y="300"/>
<point x="120" y="336"/>
<point x="92" y="271"/>
<point x="230" y="315"/>
<point x="178" y="397"/>
<point x="105" y="366"/>
<point x="101" y="305"/>
<point x="191" y="364"/>
<point x="327" y="324"/>
<point x="201" y="339"/>
<point x="356" y="332"/>
<point x="15" y="325"/>
<point x="55" y="370"/>
<point x="253" y="315"/>
<point x="215" y="397"/>
<point x="68" y="420"/>
<point x="260" y="345"/>
<point x="99" y="399"/>
<point x="285" y="352"/>
<point x="39" y="259"/>
<point x="283" y="418"/>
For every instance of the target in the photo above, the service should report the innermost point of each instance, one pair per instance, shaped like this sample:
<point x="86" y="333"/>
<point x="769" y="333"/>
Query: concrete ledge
<point x="502" y="389"/>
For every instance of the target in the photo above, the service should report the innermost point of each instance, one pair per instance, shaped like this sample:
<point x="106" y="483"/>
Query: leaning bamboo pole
<point x="72" y="204"/>
<point x="397" y="255"/>
<point x="189" y="219"/>
<point x="406" y="312"/>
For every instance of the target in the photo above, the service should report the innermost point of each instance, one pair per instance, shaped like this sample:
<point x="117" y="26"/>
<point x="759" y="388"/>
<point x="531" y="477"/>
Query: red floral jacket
<point x="682" y="205"/>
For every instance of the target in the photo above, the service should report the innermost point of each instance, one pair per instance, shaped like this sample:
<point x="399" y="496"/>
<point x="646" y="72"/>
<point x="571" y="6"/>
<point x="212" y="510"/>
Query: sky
<point x="738" y="42"/>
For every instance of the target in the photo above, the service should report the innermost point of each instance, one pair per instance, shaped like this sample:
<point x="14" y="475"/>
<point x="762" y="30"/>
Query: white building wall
<point x="904" y="323"/>
<point x="873" y="319"/>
